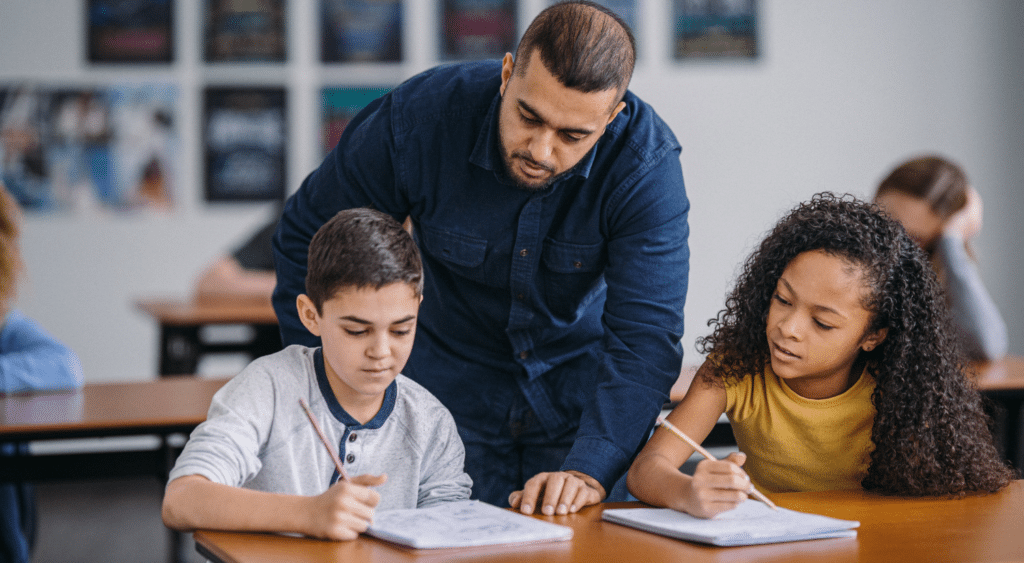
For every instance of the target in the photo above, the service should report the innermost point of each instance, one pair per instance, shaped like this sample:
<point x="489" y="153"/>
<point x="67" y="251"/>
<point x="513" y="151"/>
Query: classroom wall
<point x="841" y="92"/>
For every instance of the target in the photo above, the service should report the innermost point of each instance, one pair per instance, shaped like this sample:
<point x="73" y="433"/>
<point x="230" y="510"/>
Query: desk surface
<point x="1004" y="375"/>
<point x="106" y="409"/>
<point x="976" y="528"/>
<point x="200" y="312"/>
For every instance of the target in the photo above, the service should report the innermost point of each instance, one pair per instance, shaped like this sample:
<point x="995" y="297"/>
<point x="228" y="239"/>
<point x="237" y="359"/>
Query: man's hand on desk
<point x="563" y="492"/>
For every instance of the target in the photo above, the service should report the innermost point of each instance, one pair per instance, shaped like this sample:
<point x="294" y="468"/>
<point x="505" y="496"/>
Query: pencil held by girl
<point x="836" y="364"/>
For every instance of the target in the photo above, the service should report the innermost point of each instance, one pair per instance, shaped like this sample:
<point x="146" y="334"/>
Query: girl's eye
<point x="779" y="298"/>
<point x="401" y="332"/>
<point x="822" y="325"/>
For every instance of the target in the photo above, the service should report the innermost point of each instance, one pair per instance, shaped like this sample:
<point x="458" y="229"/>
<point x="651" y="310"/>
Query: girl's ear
<point x="307" y="314"/>
<point x="872" y="340"/>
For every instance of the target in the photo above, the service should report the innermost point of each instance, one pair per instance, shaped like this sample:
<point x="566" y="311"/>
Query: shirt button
<point x="524" y="252"/>
<point x="350" y="458"/>
<point x="577" y="264"/>
<point x="352" y="437"/>
<point x="524" y="354"/>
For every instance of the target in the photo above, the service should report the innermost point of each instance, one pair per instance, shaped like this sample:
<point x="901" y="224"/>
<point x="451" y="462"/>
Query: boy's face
<point x="367" y="336"/>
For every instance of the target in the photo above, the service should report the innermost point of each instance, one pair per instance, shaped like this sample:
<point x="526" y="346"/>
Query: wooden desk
<point x="977" y="528"/>
<point x="161" y="408"/>
<point x="182" y="321"/>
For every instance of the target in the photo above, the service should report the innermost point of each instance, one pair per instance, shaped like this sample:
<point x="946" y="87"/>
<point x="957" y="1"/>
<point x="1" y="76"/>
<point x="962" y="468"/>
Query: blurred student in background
<point x="933" y="200"/>
<point x="30" y="359"/>
<point x="245" y="274"/>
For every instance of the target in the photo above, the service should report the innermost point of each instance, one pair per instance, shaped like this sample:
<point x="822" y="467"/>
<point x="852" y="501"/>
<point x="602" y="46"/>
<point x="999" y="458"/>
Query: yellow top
<point x="798" y="444"/>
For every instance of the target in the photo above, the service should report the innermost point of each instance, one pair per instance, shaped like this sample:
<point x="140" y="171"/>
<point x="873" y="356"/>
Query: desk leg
<point x="179" y="350"/>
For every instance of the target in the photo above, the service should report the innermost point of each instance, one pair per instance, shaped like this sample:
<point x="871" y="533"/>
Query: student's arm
<point x="227" y="279"/>
<point x="974" y="311"/>
<point x="32" y="359"/>
<point x="444" y="478"/>
<point x="342" y="512"/>
<point x="716" y="486"/>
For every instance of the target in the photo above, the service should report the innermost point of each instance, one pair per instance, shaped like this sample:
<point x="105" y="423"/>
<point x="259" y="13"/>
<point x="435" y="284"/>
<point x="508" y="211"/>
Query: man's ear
<point x="307" y="314"/>
<point x="615" y="112"/>
<point x="872" y="341"/>
<point x="507" y="67"/>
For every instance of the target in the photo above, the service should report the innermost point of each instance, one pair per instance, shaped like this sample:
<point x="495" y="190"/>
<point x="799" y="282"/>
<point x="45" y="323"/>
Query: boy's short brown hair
<point x="360" y="248"/>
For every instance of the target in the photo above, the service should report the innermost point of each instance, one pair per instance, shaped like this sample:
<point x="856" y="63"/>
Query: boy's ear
<point x="874" y="339"/>
<point x="307" y="314"/>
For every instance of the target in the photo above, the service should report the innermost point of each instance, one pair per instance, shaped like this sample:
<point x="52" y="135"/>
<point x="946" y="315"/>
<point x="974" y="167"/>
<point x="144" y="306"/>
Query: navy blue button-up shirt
<point x="571" y="297"/>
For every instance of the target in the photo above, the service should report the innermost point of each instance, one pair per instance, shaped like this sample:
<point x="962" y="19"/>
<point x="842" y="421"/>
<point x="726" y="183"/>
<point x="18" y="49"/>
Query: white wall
<point x="841" y="93"/>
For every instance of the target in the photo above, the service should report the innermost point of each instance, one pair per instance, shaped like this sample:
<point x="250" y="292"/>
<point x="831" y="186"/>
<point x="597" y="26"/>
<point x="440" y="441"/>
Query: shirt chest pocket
<point x="571" y="273"/>
<point x="461" y="253"/>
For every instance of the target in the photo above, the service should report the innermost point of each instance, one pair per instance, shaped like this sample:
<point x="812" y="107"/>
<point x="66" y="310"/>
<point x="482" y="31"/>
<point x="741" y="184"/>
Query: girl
<point x="931" y="197"/>
<point x="835" y="364"/>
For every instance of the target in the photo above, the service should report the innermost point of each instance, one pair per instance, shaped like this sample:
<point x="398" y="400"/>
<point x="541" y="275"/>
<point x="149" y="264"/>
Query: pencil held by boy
<point x="258" y="462"/>
<point x="836" y="363"/>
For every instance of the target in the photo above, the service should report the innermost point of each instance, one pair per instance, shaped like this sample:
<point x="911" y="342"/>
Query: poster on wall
<point x="360" y="31"/>
<point x="66" y="148"/>
<point x="130" y="31"/>
<point x="477" y="29"/>
<point x="247" y="31"/>
<point x="714" y="29"/>
<point x="244" y="135"/>
<point x="339" y="106"/>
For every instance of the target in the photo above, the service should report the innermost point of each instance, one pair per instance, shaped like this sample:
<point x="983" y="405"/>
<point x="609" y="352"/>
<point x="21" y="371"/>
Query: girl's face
<point x="816" y="324"/>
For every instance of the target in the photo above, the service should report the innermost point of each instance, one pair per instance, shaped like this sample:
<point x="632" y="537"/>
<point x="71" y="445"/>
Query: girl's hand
<point x="717" y="486"/>
<point x="346" y="509"/>
<point x="967" y="221"/>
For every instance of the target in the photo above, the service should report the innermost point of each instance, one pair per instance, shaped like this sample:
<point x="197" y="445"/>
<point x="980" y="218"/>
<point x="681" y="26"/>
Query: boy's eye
<point x="355" y="332"/>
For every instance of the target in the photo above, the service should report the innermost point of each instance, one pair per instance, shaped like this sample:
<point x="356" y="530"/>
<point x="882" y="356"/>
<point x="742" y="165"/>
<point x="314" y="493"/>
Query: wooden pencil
<point x="323" y="439"/>
<point x="707" y="455"/>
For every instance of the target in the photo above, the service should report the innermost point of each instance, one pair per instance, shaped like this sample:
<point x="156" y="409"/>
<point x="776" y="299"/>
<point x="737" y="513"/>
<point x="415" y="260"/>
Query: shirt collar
<point x="487" y="150"/>
<point x="338" y="411"/>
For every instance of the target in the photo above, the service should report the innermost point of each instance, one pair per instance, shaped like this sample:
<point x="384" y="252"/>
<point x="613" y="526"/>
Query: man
<point x="549" y="207"/>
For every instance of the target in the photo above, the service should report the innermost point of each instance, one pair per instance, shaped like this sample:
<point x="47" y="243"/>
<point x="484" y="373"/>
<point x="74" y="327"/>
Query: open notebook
<point x="750" y="523"/>
<point x="462" y="524"/>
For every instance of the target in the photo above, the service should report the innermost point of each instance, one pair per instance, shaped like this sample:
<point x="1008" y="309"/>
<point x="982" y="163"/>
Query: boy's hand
<point x="564" y="492"/>
<point x="346" y="509"/>
<point x="718" y="486"/>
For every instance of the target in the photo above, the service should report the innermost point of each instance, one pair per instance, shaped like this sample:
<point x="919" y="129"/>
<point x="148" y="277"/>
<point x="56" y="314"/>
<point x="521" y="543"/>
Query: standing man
<point x="549" y="206"/>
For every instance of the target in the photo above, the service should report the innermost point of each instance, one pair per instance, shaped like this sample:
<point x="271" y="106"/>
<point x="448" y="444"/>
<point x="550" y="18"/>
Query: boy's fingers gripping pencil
<point x="323" y="439"/>
<point x="707" y="455"/>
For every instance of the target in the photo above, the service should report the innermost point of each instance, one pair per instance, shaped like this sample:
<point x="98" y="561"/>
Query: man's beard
<point x="507" y="159"/>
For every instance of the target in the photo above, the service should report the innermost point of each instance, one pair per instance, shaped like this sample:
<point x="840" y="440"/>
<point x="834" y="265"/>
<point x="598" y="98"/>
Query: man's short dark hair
<point x="587" y="47"/>
<point x="361" y="248"/>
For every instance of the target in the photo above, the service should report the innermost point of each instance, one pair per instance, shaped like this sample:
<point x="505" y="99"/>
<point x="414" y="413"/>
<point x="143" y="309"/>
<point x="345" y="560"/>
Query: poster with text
<point x="71" y="148"/>
<point x="715" y="29"/>
<point x="339" y="106"/>
<point x="130" y="31"/>
<point x="245" y="136"/>
<point x="477" y="29"/>
<point x="246" y="31"/>
<point x="361" y="31"/>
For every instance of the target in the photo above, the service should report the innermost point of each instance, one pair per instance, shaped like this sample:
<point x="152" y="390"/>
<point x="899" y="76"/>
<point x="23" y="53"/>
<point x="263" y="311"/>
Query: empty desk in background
<point x="182" y="323"/>
<point x="162" y="408"/>
<point x="976" y="528"/>
<point x="1003" y="382"/>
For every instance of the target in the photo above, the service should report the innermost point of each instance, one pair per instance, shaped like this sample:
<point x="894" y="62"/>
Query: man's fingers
<point x="553" y="492"/>
<point x="531" y="493"/>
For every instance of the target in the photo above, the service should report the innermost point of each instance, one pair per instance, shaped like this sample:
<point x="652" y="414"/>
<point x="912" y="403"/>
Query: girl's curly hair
<point x="931" y="434"/>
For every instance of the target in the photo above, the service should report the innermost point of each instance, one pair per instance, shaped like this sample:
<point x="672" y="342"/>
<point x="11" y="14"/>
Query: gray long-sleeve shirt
<point x="981" y="328"/>
<point x="257" y="436"/>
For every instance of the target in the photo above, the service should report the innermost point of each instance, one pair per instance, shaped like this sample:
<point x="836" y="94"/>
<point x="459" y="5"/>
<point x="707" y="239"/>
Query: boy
<point x="257" y="464"/>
